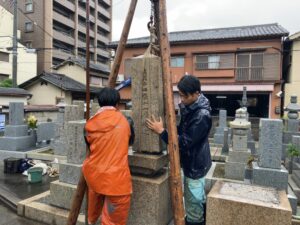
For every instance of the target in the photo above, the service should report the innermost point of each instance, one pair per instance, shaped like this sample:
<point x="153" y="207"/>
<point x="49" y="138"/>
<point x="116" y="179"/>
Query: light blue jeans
<point x="194" y="198"/>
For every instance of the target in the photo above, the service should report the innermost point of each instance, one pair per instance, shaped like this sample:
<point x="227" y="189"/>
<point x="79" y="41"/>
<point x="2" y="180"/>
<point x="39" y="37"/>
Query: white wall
<point x="27" y="62"/>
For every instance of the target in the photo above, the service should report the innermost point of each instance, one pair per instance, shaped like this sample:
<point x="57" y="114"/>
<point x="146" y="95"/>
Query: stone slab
<point x="69" y="173"/>
<point x="146" y="163"/>
<point x="239" y="156"/>
<point x="17" y="143"/>
<point x="61" y="195"/>
<point x="4" y="154"/>
<point x="296" y="177"/>
<point x="239" y="143"/>
<point x="16" y="113"/>
<point x="147" y="100"/>
<point x="16" y="130"/>
<point x="46" y="131"/>
<point x="251" y="146"/>
<point x="277" y="178"/>
<point x="235" y="170"/>
<point x="270" y="148"/>
<point x="76" y="144"/>
<point x="293" y="200"/>
<point x="288" y="136"/>
<point x="151" y="202"/>
<point x="295" y="188"/>
<point x="48" y="214"/>
<point x="239" y="204"/>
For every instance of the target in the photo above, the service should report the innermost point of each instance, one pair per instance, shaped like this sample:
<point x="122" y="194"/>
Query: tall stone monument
<point x="239" y="154"/>
<point x="66" y="113"/>
<point x="151" y="203"/>
<point x="219" y="135"/>
<point x="16" y="136"/>
<point x="292" y="124"/>
<point x="268" y="171"/>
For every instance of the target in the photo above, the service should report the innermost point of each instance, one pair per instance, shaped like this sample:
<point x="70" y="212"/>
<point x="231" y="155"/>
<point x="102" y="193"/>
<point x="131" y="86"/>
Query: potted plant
<point x="292" y="151"/>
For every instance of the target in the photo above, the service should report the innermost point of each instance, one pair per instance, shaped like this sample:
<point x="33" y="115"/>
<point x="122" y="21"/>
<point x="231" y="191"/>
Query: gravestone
<point x="147" y="100"/>
<point x="151" y="202"/>
<point x="63" y="190"/>
<point x="219" y="135"/>
<point x="225" y="148"/>
<point x="239" y="154"/>
<point x="45" y="132"/>
<point x="66" y="113"/>
<point x="16" y="136"/>
<point x="268" y="171"/>
<point x="236" y="204"/>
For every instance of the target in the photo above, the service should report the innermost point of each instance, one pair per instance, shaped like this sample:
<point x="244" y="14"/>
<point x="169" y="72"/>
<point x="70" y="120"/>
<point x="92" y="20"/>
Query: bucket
<point x="35" y="174"/>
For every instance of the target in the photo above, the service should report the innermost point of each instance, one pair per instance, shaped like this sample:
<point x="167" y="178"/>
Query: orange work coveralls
<point x="106" y="169"/>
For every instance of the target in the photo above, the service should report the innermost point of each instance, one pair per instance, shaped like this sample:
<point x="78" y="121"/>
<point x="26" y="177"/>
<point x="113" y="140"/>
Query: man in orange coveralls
<point x="106" y="169"/>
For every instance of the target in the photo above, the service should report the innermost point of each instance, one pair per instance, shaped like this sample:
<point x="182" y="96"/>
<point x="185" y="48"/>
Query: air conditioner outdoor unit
<point x="120" y="78"/>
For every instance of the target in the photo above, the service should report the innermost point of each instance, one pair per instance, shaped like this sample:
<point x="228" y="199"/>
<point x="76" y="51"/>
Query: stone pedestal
<point x="16" y="136"/>
<point x="151" y="202"/>
<point x="238" y="204"/>
<point x="239" y="154"/>
<point x="277" y="178"/>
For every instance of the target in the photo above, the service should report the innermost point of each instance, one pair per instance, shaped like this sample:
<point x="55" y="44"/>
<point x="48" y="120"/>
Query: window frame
<point x="29" y="2"/>
<point x="32" y="25"/>
<point x="178" y="65"/>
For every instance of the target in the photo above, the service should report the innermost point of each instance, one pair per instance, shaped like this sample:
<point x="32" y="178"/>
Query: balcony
<point x="68" y="4"/>
<point x="249" y="74"/>
<point x="104" y="12"/>
<point x="103" y="39"/>
<point x="82" y="44"/>
<point x="63" y="37"/>
<point x="61" y="54"/>
<point x="103" y="53"/>
<point x="82" y="29"/>
<point x="107" y="2"/>
<point x="104" y="26"/>
<point x="64" y="20"/>
<point x="82" y="13"/>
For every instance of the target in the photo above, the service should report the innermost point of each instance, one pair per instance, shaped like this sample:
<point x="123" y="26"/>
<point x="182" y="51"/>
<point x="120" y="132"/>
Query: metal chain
<point x="153" y="28"/>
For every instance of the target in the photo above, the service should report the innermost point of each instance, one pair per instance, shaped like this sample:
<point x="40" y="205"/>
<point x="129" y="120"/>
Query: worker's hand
<point x="155" y="125"/>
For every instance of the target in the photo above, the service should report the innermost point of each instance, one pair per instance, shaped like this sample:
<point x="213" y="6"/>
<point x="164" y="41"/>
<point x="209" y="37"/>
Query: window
<point x="28" y="6"/>
<point x="249" y="66"/>
<point x="95" y="80"/>
<point x="4" y="57"/>
<point x="177" y="61"/>
<point x="28" y="44"/>
<point x="214" y="62"/>
<point x="28" y="27"/>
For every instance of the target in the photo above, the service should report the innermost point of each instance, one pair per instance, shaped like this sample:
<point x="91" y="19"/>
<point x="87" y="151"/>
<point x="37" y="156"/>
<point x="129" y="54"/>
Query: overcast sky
<point x="202" y="14"/>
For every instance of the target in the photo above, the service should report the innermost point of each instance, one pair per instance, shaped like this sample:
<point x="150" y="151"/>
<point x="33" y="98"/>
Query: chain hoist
<point x="153" y="28"/>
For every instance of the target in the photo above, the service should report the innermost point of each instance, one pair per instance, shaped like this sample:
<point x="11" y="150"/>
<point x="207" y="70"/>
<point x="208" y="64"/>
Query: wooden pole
<point x="121" y="46"/>
<point x="173" y="148"/>
<point x="82" y="186"/>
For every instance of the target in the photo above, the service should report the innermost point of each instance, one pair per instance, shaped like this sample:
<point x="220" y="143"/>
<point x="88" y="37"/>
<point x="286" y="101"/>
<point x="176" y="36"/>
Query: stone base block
<point x="239" y="156"/>
<point x="61" y="195"/>
<point x="16" y="130"/>
<point x="293" y="200"/>
<point x="294" y="188"/>
<point x="277" y="178"/>
<point x="16" y="143"/>
<point x="296" y="177"/>
<point x="69" y="173"/>
<point x="146" y="164"/>
<point x="235" y="170"/>
<point x="15" y="154"/>
<point x="237" y="204"/>
<point x="151" y="202"/>
<point x="218" y="138"/>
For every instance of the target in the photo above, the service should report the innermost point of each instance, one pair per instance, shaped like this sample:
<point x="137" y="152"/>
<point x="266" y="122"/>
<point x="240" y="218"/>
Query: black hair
<point x="108" y="97"/>
<point x="189" y="84"/>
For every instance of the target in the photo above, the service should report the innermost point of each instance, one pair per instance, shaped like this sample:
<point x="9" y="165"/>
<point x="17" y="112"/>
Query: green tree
<point x="6" y="83"/>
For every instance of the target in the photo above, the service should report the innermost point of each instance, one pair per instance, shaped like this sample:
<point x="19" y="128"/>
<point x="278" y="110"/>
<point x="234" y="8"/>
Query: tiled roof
<point x="82" y="63"/>
<point x="13" y="92"/>
<point x="61" y="81"/>
<point x="229" y="33"/>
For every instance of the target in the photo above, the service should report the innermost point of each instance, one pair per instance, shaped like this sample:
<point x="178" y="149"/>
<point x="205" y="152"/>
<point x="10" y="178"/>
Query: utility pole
<point x="15" y="44"/>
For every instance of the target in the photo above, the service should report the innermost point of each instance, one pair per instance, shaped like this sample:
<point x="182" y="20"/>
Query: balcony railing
<point x="249" y="74"/>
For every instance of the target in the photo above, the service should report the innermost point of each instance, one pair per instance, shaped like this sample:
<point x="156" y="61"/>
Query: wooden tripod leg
<point x="173" y="148"/>
<point x="121" y="46"/>
<point x="82" y="186"/>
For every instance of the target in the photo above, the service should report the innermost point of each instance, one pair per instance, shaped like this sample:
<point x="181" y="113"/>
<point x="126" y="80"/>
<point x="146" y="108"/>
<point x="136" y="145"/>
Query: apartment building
<point x="225" y="60"/>
<point x="57" y="29"/>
